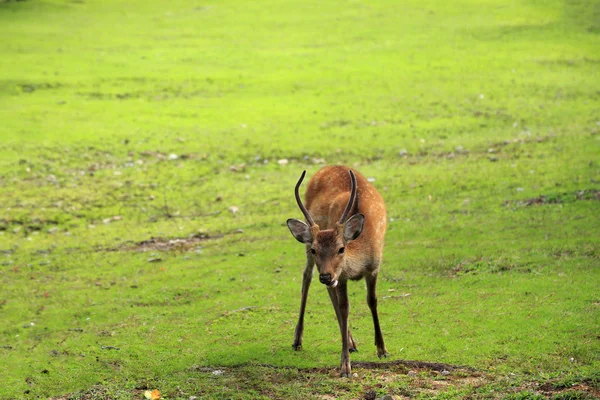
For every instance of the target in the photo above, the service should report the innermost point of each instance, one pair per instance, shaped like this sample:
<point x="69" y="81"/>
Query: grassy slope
<point x="493" y="103"/>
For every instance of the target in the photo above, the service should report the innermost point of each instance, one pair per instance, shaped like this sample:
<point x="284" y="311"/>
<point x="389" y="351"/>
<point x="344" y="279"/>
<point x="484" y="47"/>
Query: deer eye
<point x="341" y="250"/>
<point x="313" y="251"/>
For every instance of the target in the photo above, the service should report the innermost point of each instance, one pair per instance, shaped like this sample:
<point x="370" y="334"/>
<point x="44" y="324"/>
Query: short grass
<point x="123" y="121"/>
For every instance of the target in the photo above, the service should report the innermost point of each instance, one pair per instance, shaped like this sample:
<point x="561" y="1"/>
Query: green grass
<point x="478" y="119"/>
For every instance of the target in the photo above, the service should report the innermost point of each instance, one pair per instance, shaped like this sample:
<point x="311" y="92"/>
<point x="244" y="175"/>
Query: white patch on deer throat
<point x="333" y="284"/>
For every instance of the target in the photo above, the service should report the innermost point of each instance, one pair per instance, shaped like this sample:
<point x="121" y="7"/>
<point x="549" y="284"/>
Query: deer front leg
<point x="334" y="302"/>
<point x="306" y="279"/>
<point x="344" y="307"/>
<point x="372" y="302"/>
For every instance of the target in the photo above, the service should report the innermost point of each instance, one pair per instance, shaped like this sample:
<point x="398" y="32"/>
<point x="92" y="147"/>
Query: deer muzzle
<point x="326" y="280"/>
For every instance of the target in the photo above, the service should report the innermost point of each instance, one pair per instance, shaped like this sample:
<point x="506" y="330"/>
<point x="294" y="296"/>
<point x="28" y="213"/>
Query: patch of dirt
<point x="540" y="200"/>
<point x="588" y="195"/>
<point x="494" y="151"/>
<point x="523" y="140"/>
<point x="27" y="225"/>
<point x="419" y="377"/>
<point x="163" y="156"/>
<point x="164" y="244"/>
<point x="400" y="379"/>
<point x="94" y="393"/>
<point x="401" y="366"/>
<point x="550" y="389"/>
<point x="411" y="364"/>
<point x="585" y="194"/>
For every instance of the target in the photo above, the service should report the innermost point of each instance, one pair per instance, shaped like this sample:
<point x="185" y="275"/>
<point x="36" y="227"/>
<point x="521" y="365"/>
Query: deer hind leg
<point x="334" y="300"/>
<point x="371" y="281"/>
<point x="306" y="279"/>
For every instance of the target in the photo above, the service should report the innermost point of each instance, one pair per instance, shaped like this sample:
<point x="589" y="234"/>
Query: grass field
<point x="148" y="154"/>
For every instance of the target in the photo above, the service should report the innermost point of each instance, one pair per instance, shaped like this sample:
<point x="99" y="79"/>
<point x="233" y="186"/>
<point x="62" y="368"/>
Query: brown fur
<point x="327" y="194"/>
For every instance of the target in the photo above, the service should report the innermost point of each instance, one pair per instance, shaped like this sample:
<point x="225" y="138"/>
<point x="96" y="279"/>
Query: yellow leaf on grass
<point x="152" y="395"/>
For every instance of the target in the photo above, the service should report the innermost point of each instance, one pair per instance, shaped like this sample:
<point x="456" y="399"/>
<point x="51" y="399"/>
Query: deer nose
<point x="325" y="279"/>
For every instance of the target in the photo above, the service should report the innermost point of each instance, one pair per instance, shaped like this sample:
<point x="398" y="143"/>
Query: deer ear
<point x="353" y="227"/>
<point x="300" y="230"/>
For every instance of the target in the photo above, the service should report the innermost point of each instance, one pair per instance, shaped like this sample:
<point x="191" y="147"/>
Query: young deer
<point x="344" y="237"/>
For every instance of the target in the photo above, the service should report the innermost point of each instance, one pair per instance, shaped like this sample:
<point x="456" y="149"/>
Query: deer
<point x="343" y="234"/>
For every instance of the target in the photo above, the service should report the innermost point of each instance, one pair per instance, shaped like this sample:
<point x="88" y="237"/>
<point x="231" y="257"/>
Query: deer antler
<point x="352" y="199"/>
<point x="302" y="208"/>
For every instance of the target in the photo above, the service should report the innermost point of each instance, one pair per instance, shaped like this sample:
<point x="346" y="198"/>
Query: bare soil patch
<point x="558" y="198"/>
<point x="401" y="379"/>
<point x="165" y="244"/>
<point x="410" y="364"/>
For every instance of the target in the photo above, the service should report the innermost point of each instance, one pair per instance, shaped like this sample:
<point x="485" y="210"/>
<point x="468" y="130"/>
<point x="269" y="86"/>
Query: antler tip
<point x="299" y="201"/>
<point x="352" y="196"/>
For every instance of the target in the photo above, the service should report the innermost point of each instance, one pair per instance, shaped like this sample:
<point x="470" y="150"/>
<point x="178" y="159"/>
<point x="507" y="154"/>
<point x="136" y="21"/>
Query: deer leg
<point x="372" y="302"/>
<point x="306" y="279"/>
<point x="344" y="306"/>
<point x="334" y="301"/>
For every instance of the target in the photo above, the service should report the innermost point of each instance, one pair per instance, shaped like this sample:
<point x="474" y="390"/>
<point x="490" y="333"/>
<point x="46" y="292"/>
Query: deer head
<point x="328" y="246"/>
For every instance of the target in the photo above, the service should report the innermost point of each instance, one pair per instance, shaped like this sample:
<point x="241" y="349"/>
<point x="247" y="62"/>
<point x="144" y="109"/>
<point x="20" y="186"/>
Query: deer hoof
<point x="345" y="369"/>
<point x="353" y="350"/>
<point x="382" y="354"/>
<point x="297" y="346"/>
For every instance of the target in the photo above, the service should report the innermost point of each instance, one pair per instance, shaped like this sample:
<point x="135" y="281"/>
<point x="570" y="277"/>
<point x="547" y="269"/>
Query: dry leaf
<point x="152" y="395"/>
